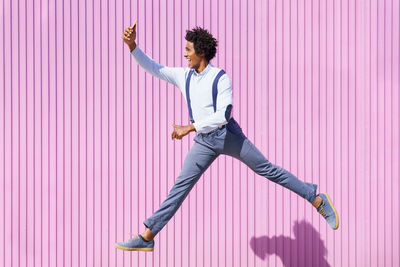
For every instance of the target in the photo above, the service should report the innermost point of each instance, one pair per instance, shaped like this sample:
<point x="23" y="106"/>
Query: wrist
<point x="191" y="128"/>
<point x="132" y="46"/>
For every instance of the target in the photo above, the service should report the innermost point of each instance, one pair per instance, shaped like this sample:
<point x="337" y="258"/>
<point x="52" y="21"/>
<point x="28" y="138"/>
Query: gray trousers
<point x="231" y="141"/>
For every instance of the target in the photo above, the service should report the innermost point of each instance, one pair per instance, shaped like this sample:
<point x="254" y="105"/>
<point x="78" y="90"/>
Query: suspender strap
<point x="188" y="96"/>
<point x="214" y="92"/>
<point x="215" y="89"/>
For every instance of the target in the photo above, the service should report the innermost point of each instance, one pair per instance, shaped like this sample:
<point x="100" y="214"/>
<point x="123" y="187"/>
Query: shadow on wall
<point x="306" y="249"/>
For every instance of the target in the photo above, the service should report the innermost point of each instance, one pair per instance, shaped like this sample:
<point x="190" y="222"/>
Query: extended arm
<point x="171" y="75"/>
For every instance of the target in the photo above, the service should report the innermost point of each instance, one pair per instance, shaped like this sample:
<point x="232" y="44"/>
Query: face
<point x="193" y="58"/>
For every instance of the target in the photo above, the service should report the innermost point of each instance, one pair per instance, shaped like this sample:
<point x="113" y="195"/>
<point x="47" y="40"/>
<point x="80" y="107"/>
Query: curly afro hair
<point x="202" y="41"/>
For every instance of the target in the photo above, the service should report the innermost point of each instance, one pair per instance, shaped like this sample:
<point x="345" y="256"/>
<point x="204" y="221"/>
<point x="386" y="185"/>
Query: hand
<point x="129" y="37"/>
<point x="181" y="131"/>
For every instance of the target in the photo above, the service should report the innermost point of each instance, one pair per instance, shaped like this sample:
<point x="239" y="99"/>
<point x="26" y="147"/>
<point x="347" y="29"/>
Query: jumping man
<point x="208" y="93"/>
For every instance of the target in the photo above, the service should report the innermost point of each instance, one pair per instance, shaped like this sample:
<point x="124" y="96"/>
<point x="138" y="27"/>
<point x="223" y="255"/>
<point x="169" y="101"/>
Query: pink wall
<point x="86" y="153"/>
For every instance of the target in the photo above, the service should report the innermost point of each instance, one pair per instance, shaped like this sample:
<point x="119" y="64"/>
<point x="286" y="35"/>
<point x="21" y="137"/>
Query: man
<point x="208" y="93"/>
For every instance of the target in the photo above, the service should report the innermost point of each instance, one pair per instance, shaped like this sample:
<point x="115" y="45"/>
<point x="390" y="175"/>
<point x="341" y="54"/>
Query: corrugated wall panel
<point x="86" y="154"/>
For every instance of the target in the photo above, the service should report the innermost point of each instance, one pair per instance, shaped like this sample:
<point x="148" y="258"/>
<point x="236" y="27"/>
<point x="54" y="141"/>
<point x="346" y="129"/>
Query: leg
<point x="196" y="162"/>
<point x="253" y="158"/>
<point x="238" y="146"/>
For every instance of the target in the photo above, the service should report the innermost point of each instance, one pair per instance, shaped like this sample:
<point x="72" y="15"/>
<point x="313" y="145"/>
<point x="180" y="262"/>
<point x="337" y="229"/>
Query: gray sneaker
<point x="136" y="244"/>
<point x="328" y="211"/>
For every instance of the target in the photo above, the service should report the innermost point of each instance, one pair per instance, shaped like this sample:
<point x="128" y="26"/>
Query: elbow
<point x="228" y="112"/>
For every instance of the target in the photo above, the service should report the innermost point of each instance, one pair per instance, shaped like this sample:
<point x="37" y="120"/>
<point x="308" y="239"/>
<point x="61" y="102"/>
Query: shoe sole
<point x="337" y="216"/>
<point x="133" y="249"/>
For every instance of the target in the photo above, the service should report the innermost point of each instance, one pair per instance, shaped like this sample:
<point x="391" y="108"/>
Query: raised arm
<point x="175" y="76"/>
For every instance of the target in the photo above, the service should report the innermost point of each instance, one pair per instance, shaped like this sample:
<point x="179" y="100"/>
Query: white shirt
<point x="200" y="91"/>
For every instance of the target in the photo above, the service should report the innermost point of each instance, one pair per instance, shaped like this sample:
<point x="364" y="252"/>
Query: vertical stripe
<point x="86" y="153"/>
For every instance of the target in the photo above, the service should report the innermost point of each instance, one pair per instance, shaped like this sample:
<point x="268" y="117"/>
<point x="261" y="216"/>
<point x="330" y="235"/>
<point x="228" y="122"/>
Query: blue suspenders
<point x="215" y="89"/>
<point x="188" y="96"/>
<point x="214" y="92"/>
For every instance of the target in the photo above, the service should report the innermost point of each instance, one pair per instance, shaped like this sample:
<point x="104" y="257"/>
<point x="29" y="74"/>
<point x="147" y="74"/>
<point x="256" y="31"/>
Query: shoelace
<point x="323" y="213"/>
<point x="134" y="236"/>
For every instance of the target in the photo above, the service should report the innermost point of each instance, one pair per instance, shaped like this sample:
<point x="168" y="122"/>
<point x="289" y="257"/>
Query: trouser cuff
<point x="313" y="194"/>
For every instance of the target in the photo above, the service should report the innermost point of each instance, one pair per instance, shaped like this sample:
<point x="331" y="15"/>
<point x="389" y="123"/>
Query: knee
<point x="190" y="175"/>
<point x="182" y="180"/>
<point x="270" y="171"/>
<point x="186" y="179"/>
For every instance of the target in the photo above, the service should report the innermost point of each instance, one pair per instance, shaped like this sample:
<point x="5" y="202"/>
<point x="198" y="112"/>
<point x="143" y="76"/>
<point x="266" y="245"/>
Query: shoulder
<point x="222" y="76"/>
<point x="181" y="76"/>
<point x="219" y="73"/>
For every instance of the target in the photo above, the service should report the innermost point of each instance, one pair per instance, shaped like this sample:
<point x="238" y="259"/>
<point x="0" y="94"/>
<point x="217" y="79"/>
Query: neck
<point x="203" y="64"/>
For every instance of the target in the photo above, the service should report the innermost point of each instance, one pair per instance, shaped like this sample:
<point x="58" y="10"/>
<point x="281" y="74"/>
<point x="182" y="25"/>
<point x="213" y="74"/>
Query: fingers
<point x="176" y="135"/>
<point x="129" y="33"/>
<point x="173" y="135"/>
<point x="131" y="30"/>
<point x="125" y="38"/>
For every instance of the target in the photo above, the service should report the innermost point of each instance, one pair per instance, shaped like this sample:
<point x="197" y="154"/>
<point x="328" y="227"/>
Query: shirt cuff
<point x="135" y="51"/>
<point x="197" y="127"/>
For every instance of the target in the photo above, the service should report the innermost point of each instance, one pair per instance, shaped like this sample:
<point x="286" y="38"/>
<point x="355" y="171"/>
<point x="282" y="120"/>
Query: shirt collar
<point x="204" y="72"/>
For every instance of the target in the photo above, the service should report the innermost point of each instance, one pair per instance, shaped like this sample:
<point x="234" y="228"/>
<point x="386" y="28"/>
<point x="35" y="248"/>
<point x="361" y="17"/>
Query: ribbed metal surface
<point x="86" y="153"/>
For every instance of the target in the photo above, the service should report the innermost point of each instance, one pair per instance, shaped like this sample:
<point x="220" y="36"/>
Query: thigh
<point x="245" y="151"/>
<point x="235" y="142"/>
<point x="252" y="157"/>
<point x="196" y="162"/>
